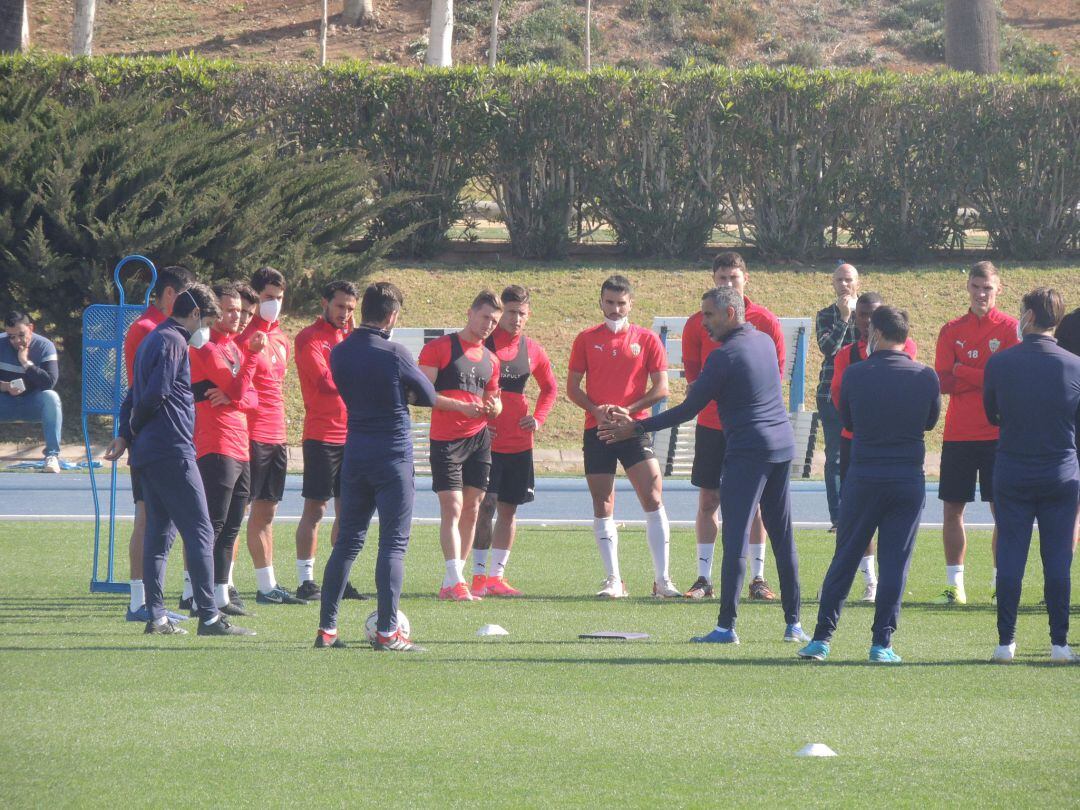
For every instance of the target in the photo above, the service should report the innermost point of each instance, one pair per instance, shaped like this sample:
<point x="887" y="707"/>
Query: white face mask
<point x="269" y="310"/>
<point x="1020" y="328"/>
<point x="616" y="325"/>
<point x="200" y="337"/>
<point x="871" y="345"/>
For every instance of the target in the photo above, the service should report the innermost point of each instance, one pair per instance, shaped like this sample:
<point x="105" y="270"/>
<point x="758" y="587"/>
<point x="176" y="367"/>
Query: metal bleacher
<point x="675" y="446"/>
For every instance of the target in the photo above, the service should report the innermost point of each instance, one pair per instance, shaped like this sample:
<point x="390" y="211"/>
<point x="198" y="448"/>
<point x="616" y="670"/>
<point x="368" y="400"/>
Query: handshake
<point x="614" y="423"/>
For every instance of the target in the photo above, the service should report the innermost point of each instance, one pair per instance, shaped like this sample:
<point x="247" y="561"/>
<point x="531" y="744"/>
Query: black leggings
<point x="227" y="483"/>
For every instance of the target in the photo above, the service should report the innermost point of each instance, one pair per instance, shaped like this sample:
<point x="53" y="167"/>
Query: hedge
<point x="799" y="160"/>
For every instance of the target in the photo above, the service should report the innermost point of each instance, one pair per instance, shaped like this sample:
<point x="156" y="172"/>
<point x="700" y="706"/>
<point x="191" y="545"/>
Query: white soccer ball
<point x="373" y="618"/>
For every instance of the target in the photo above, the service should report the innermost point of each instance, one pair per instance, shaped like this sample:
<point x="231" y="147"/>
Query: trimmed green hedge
<point x="799" y="160"/>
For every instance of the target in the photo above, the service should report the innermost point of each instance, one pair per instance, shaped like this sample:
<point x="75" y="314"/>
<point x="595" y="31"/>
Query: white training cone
<point x="492" y="630"/>
<point x="815" y="750"/>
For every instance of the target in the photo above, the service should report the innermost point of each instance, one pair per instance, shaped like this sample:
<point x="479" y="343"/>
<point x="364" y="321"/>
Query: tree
<point x="971" y="35"/>
<point x="493" y="50"/>
<point x="14" y="26"/>
<point x="82" y="32"/>
<point x="441" y="37"/>
<point x="588" y="35"/>
<point x="357" y="12"/>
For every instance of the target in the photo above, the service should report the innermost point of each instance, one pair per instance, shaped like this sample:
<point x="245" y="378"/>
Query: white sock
<point x="867" y="568"/>
<point x="479" y="561"/>
<point x="704" y="560"/>
<point x="161" y="621"/>
<point x="189" y="592"/>
<point x="954" y="575"/>
<point x="231" y="583"/>
<point x="607" y="541"/>
<point x="459" y="570"/>
<point x="453" y="576"/>
<point x="658" y="533"/>
<point x="264" y="577"/>
<point x="214" y="620"/>
<point x="499" y="556"/>
<point x="757" y="560"/>
<point x="138" y="594"/>
<point x="221" y="595"/>
<point x="993" y="579"/>
<point x="305" y="570"/>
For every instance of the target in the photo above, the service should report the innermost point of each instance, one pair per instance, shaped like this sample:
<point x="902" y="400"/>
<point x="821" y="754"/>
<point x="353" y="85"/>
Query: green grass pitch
<point x="96" y="714"/>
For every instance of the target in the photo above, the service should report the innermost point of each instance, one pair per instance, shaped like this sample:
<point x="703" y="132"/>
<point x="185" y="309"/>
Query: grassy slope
<point x="565" y="301"/>
<point x="95" y="714"/>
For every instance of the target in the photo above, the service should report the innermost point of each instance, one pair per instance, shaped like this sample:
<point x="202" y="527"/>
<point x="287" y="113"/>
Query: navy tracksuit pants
<point x="747" y="482"/>
<point x="175" y="501"/>
<point x="1017" y="505"/>
<point x="367" y="486"/>
<point x="892" y="508"/>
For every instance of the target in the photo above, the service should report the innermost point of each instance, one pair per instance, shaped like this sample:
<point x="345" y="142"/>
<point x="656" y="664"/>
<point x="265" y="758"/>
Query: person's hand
<point x="16" y="391"/>
<point x="22" y="352"/>
<point x="257" y="342"/>
<point x="528" y="424"/>
<point x="217" y="397"/>
<point x="492" y="406"/>
<point x="612" y="432"/>
<point x="620" y="416"/>
<point x="846" y="305"/>
<point x="601" y="413"/>
<point x="115" y="449"/>
<point x="472" y="409"/>
<point x="4" y="388"/>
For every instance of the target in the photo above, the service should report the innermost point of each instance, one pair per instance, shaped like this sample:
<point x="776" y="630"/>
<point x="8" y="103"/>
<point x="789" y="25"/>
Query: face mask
<point x="269" y="310"/>
<point x="200" y="337"/>
<point x="871" y="345"/>
<point x="1020" y="329"/>
<point x="616" y="325"/>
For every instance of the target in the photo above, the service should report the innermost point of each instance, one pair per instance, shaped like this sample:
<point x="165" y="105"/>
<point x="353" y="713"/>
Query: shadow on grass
<point x="734" y="662"/>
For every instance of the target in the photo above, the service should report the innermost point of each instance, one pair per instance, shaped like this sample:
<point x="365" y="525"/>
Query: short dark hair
<point x="15" y="318"/>
<point x="381" y="300"/>
<point x="869" y="298"/>
<point x="197" y="296"/>
<point x="1068" y="332"/>
<point x="247" y="295"/>
<point x="340" y="285"/>
<point x="226" y="289"/>
<point x="515" y="294"/>
<point x="618" y="284"/>
<point x="486" y="298"/>
<point x="173" y="277"/>
<point x="1047" y="305"/>
<point x="729" y="258"/>
<point x="267" y="275"/>
<point x="984" y="270"/>
<point x="892" y="323"/>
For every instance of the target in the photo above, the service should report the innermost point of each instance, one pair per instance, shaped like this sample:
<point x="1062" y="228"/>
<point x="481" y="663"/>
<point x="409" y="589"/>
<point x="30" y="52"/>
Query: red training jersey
<point x="146" y="324"/>
<point x="466" y="372"/>
<point x="266" y="424"/>
<point x="697" y="346"/>
<point x="843" y="361"/>
<point x="223" y="365"/>
<point x="617" y="365"/>
<point x="519" y="358"/>
<point x="963" y="348"/>
<point x="325" y="417"/>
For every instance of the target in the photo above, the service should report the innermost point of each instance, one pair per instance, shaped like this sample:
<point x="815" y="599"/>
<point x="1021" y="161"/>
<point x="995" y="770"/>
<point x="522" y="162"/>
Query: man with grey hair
<point x="743" y="379"/>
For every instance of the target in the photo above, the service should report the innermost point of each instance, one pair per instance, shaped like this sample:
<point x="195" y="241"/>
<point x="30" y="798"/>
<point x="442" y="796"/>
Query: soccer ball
<point x="373" y="618"/>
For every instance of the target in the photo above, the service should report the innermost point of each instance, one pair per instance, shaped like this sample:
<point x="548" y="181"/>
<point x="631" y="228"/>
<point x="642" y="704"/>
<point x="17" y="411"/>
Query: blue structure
<point x="104" y="386"/>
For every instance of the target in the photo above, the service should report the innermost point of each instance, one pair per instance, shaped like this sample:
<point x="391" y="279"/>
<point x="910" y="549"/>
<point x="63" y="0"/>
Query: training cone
<point x="815" y="750"/>
<point x="492" y="630"/>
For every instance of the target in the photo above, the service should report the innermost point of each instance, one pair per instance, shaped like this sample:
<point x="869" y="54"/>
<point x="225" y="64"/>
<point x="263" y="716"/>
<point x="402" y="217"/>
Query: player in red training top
<point x="856" y="352"/>
<point x="171" y="281"/>
<point x="266" y="427"/>
<point x="963" y="348"/>
<point x="625" y="372"/>
<point x="221" y="380"/>
<point x="466" y="375"/>
<point x="325" y="429"/>
<point x="512" y="474"/>
<point x="728" y="270"/>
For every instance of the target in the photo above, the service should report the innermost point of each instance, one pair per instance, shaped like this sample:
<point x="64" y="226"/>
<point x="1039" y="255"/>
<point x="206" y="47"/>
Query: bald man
<point x="834" y="328"/>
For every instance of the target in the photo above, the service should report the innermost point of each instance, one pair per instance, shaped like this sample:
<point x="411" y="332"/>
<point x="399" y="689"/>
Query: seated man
<point x="28" y="374"/>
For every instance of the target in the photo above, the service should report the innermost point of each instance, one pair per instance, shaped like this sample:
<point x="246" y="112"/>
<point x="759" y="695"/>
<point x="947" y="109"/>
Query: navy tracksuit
<point x="887" y="401"/>
<point x="742" y="377"/>
<point x="377" y="380"/>
<point x="158" y="421"/>
<point x="1032" y="391"/>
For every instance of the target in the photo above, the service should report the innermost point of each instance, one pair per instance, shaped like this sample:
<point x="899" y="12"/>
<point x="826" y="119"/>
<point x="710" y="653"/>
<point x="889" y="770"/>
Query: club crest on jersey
<point x="635" y="349"/>
<point x="994" y="344"/>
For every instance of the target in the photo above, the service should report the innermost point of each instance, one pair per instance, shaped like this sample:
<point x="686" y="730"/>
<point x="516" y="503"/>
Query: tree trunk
<point x="82" y="32"/>
<point x="971" y="35"/>
<point x="14" y="26"/>
<point x="324" y="22"/>
<point x="588" y="35"/>
<point x="441" y="37"/>
<point x="493" y="51"/>
<point x="357" y="12"/>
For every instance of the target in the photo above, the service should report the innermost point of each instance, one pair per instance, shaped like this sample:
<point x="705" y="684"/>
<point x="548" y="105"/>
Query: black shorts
<point x="224" y="480"/>
<point x="512" y="477"/>
<point x="845" y="457"/>
<point x="461" y="463"/>
<point x="322" y="470"/>
<point x="601" y="458"/>
<point x="710" y="445"/>
<point x="136" y="486"/>
<point x="269" y="463"/>
<point x="961" y="464"/>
